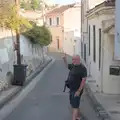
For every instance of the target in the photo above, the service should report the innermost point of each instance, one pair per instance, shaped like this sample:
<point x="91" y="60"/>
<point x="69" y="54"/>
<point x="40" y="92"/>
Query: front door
<point x="58" y="45"/>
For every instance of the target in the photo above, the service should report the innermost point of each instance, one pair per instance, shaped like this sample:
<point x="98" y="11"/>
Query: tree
<point x="34" y="4"/>
<point x="9" y="19"/>
<point x="39" y="35"/>
<point x="22" y="4"/>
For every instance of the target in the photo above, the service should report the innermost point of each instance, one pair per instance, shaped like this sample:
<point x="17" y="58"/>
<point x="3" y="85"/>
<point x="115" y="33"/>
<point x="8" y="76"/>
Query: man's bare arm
<point x="82" y="84"/>
<point x="65" y="60"/>
<point x="81" y="87"/>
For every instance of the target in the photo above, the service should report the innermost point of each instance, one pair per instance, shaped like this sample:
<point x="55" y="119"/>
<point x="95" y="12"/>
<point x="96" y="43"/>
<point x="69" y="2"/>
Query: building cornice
<point x="109" y="3"/>
<point x="107" y="25"/>
<point x="101" y="11"/>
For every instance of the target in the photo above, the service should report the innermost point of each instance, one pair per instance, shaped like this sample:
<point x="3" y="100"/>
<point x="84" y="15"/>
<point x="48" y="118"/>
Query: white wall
<point x="32" y="56"/>
<point x="111" y="83"/>
<point x="84" y="36"/>
<point x="93" y="3"/>
<point x="117" y="31"/>
<point x="94" y="66"/>
<point x="72" y="30"/>
<point x="72" y="18"/>
<point x="107" y="83"/>
<point x="77" y="46"/>
<point x="69" y="43"/>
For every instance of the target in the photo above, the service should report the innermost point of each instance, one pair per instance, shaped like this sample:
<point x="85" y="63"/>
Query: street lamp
<point x="42" y="3"/>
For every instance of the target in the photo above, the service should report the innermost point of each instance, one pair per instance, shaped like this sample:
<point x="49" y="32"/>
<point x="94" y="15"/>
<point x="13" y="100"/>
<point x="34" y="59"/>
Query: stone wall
<point x="32" y="55"/>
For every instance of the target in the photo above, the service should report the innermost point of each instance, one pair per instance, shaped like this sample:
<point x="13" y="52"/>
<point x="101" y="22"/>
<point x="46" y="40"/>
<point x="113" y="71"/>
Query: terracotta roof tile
<point x="60" y="9"/>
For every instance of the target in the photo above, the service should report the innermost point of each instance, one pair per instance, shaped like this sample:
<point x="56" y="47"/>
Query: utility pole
<point x="17" y="3"/>
<point x="43" y="11"/>
<point x="19" y="69"/>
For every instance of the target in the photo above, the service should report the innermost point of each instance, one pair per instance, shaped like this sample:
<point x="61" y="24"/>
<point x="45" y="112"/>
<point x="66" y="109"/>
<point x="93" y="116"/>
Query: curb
<point x="34" y="74"/>
<point x="99" y="109"/>
<point x="9" y="97"/>
<point x="18" y="89"/>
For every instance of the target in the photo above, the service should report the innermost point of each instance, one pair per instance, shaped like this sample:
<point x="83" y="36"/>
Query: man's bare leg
<point x="78" y="117"/>
<point x="75" y="112"/>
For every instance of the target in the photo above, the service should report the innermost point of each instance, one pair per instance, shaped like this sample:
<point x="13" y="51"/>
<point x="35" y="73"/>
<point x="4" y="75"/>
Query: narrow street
<point x="47" y="101"/>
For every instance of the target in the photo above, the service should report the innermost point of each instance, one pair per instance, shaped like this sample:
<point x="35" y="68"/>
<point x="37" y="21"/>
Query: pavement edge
<point x="99" y="109"/>
<point x="18" y="89"/>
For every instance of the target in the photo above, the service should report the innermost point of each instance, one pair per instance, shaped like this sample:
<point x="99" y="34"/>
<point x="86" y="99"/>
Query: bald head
<point x="76" y="59"/>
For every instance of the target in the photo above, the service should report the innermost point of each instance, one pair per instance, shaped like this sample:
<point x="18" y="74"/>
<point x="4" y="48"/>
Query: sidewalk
<point x="12" y="91"/>
<point x="106" y="106"/>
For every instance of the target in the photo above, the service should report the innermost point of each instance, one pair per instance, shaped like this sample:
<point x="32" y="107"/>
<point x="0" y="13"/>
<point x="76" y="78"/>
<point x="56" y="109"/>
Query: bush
<point x="39" y="35"/>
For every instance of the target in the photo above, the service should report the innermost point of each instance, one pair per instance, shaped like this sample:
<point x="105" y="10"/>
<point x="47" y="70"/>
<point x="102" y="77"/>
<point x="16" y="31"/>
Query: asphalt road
<point x="46" y="101"/>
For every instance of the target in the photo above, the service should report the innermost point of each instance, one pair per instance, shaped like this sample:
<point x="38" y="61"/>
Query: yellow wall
<point x="57" y="32"/>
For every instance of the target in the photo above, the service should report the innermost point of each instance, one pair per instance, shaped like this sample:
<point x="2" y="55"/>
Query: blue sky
<point x="65" y="1"/>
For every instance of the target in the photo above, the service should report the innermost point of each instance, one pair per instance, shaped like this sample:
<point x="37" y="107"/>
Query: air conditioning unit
<point x="115" y="70"/>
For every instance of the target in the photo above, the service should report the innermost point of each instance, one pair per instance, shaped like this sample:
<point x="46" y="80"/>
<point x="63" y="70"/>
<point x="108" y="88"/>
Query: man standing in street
<point x="76" y="80"/>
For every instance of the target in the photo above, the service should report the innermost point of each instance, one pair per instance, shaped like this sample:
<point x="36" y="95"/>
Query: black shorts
<point x="74" y="100"/>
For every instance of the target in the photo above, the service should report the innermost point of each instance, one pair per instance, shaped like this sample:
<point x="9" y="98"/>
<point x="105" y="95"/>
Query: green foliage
<point x="31" y="4"/>
<point x="25" y="5"/>
<point x="22" y="4"/>
<point x="9" y="19"/>
<point x="34" y="4"/>
<point x="39" y="35"/>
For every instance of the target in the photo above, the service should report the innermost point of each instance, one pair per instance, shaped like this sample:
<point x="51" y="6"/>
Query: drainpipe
<point x="102" y="60"/>
<point x="81" y="27"/>
<point x="87" y="44"/>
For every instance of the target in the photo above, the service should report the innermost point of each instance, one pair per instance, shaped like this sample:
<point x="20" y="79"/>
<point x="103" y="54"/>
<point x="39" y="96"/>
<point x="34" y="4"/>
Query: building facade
<point x="62" y="21"/>
<point x="55" y="22"/>
<point x="100" y="20"/>
<point x="103" y="68"/>
<point x="117" y="31"/>
<point x="84" y="31"/>
<point x="72" y="30"/>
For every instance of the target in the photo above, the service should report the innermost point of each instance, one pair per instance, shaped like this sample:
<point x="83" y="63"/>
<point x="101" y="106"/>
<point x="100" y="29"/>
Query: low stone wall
<point x="7" y="74"/>
<point x="31" y="55"/>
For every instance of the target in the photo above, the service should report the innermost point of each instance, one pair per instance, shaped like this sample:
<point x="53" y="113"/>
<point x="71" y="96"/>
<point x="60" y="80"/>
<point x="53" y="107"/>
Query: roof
<point x="60" y="9"/>
<point x="32" y="15"/>
<point x="107" y="3"/>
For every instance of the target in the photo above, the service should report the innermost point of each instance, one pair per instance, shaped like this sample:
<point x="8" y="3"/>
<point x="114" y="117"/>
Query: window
<point x="89" y="39"/>
<point x="54" y="21"/>
<point x="50" y="21"/>
<point x="94" y="43"/>
<point x="57" y="19"/>
<point x="99" y="48"/>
